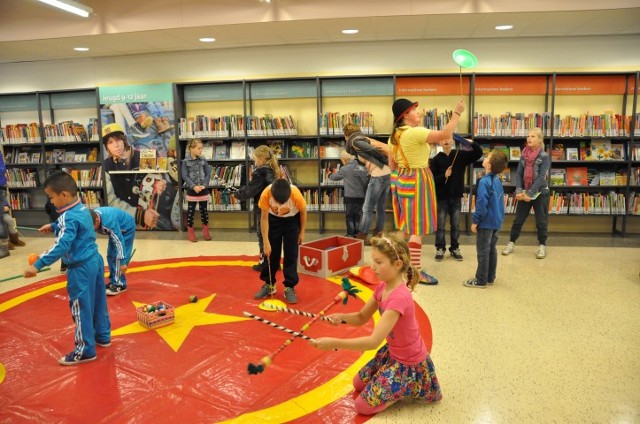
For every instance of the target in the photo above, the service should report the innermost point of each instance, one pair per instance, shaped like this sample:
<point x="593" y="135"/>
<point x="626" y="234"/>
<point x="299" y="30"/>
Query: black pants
<point x="541" y="211"/>
<point x="353" y="214"/>
<point x="283" y="237"/>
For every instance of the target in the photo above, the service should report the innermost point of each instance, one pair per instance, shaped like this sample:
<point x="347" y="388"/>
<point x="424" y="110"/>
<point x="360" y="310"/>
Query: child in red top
<point x="402" y="368"/>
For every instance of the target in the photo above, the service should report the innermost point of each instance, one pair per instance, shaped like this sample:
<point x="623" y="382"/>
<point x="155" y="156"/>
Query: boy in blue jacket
<point x="76" y="243"/>
<point x="487" y="219"/>
<point x="121" y="229"/>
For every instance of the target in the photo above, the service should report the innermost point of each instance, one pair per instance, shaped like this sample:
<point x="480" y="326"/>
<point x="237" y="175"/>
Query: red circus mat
<point x="195" y="369"/>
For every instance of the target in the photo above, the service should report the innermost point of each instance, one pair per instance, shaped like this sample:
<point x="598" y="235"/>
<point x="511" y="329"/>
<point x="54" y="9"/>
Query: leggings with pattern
<point x="191" y="210"/>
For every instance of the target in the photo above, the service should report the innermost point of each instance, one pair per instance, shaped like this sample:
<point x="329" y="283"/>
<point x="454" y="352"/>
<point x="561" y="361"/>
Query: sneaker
<point x="257" y="267"/>
<point x="290" y="295"/>
<point x="114" y="289"/>
<point x="266" y="290"/>
<point x="508" y="249"/>
<point x="472" y="282"/>
<point x="107" y="344"/>
<point x="63" y="268"/>
<point x="542" y="252"/>
<point x="439" y="255"/>
<point x="427" y="279"/>
<point x="456" y="254"/>
<point x="73" y="359"/>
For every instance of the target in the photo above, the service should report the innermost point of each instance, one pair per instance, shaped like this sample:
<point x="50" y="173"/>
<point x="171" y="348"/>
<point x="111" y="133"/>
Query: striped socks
<point x="415" y="251"/>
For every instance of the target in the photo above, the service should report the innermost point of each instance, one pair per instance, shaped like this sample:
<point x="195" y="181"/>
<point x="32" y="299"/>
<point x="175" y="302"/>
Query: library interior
<point x="115" y="93"/>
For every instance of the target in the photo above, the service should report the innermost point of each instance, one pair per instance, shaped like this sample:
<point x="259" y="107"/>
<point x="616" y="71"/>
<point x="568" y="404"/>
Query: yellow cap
<point x="110" y="129"/>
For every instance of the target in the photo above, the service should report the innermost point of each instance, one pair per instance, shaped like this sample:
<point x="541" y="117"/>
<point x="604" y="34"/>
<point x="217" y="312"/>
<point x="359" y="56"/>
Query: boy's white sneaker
<point x="508" y="249"/>
<point x="542" y="252"/>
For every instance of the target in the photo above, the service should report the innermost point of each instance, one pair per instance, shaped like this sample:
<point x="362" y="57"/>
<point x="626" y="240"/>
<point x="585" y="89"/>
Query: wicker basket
<point x="157" y="318"/>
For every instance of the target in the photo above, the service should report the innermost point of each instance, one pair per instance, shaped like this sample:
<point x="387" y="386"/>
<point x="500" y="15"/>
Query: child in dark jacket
<point x="448" y="168"/>
<point x="487" y="219"/>
<point x="356" y="179"/>
<point x="265" y="171"/>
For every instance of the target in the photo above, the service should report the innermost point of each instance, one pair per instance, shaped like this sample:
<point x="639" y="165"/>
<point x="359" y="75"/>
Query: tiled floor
<point x="555" y="340"/>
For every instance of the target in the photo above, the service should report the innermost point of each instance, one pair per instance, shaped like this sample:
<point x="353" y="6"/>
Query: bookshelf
<point x="42" y="131"/>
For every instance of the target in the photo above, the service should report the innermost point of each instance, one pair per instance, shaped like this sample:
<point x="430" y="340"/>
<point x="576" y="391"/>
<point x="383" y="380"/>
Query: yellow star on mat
<point x="187" y="317"/>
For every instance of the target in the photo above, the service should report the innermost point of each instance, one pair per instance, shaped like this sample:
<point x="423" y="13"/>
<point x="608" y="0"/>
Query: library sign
<point x="586" y="85"/>
<point x="431" y="86"/>
<point x="146" y="187"/>
<point x="511" y="85"/>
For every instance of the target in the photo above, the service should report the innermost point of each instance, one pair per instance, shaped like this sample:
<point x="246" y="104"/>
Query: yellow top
<point x="415" y="147"/>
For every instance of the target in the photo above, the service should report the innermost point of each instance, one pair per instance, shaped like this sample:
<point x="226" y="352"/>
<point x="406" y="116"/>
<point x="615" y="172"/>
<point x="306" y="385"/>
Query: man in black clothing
<point x="448" y="168"/>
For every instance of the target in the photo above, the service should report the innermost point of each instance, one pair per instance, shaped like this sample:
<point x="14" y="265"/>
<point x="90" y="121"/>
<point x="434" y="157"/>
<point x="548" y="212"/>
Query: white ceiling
<point x="33" y="31"/>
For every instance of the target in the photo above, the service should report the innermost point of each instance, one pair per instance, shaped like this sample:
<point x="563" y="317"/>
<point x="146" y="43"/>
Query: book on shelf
<point x="477" y="174"/>
<point x="514" y="153"/>
<point x="69" y="156"/>
<point x="557" y="152"/>
<point x="505" y="176"/>
<point x="8" y="157"/>
<point x="607" y="178"/>
<point x="80" y="132"/>
<point x="237" y="150"/>
<point x="617" y="151"/>
<point x="220" y="151"/>
<point x="58" y="155"/>
<point x="162" y="163"/>
<point x="601" y="149"/>
<point x="585" y="150"/>
<point x="558" y="177"/>
<point x="593" y="177"/>
<point x="207" y="151"/>
<point x="577" y="176"/>
<point x="572" y="153"/>
<point x="35" y="157"/>
<point x="80" y="157"/>
<point x="148" y="159"/>
<point x="23" y="157"/>
<point x="93" y="155"/>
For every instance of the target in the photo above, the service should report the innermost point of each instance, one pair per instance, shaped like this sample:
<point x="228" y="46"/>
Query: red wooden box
<point x="330" y="256"/>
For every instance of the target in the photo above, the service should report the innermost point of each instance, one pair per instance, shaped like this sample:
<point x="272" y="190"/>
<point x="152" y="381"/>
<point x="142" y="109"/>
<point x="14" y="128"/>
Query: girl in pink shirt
<point x="402" y="368"/>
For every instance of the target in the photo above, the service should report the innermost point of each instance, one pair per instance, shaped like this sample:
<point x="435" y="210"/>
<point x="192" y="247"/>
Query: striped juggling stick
<point x="278" y="326"/>
<point x="347" y="290"/>
<point x="297" y="312"/>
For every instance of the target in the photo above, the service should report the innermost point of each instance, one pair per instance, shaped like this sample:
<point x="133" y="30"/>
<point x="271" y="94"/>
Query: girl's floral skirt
<point x="388" y="380"/>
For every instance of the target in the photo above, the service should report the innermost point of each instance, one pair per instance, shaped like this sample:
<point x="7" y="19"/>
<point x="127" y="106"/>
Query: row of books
<point x="91" y="198"/>
<point x="219" y="201"/>
<point x="91" y="177"/>
<point x="69" y="132"/>
<point x="22" y="178"/>
<point x="607" y="124"/>
<point x="327" y="170"/>
<point x="594" y="150"/>
<point x="434" y="120"/>
<point x="270" y="126"/>
<point x="610" y="203"/>
<point x="201" y="126"/>
<point x="21" y="133"/>
<point x="510" y="124"/>
<point x="634" y="204"/>
<point x="32" y="156"/>
<point x="20" y="200"/>
<point x="635" y="153"/>
<point x="332" y="123"/>
<point x="332" y="200"/>
<point x="226" y="175"/>
<point x="583" y="176"/>
<point x="221" y="150"/>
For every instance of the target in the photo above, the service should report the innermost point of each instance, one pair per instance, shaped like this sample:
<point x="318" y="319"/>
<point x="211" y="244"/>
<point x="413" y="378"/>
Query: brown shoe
<point x="15" y="239"/>
<point x="11" y="246"/>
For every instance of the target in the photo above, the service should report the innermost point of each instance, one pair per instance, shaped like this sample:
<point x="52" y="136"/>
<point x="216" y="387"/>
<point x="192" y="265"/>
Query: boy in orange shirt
<point x="282" y="221"/>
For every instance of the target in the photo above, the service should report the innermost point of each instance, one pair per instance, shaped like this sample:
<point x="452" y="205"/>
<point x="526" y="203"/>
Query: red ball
<point x="32" y="258"/>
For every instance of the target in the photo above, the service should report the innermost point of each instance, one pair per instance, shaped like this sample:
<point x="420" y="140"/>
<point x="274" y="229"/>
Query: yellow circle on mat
<point x="3" y="372"/>
<point x="299" y="406"/>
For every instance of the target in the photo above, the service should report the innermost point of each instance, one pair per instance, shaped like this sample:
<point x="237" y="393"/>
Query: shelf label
<point x="431" y="86"/>
<point x="578" y="84"/>
<point x="282" y="89"/>
<point x="18" y="103"/>
<point x="73" y="100"/>
<point x="213" y="92"/>
<point x="511" y="85"/>
<point x="136" y="93"/>
<point x="365" y="87"/>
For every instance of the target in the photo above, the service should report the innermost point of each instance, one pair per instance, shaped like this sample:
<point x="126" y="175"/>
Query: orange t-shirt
<point x="291" y="207"/>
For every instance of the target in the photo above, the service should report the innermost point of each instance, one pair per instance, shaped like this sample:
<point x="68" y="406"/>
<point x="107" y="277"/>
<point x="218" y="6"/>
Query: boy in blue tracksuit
<point x="121" y="229"/>
<point x="75" y="242"/>
<point x="488" y="218"/>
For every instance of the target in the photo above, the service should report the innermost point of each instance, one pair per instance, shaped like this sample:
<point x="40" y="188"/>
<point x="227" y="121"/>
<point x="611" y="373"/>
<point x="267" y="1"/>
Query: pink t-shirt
<point x="404" y="341"/>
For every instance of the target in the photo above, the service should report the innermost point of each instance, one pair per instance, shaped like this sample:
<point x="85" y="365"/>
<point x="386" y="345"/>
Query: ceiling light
<point x="70" y="6"/>
<point x="207" y="39"/>
<point x="81" y="49"/>
<point x="503" y="27"/>
<point x="350" y="31"/>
